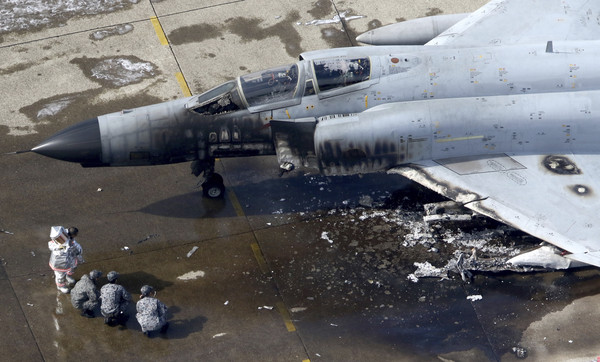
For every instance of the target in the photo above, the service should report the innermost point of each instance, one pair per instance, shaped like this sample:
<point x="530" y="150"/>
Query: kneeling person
<point x="84" y="294"/>
<point x="151" y="312"/>
<point x="115" y="300"/>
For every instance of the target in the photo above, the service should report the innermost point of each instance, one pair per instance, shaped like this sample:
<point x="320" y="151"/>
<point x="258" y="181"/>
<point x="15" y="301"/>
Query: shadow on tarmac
<point x="189" y="206"/>
<point x="286" y="195"/>
<point x="182" y="328"/>
<point x="134" y="281"/>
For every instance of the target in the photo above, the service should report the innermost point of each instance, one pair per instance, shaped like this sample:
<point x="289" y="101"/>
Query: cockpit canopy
<point x="281" y="86"/>
<point x="270" y="86"/>
<point x="341" y="72"/>
<point x="222" y="99"/>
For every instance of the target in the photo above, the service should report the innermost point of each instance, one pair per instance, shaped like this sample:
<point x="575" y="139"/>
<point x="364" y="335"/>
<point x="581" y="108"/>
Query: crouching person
<point x="151" y="312"/>
<point x="84" y="294"/>
<point x="115" y="300"/>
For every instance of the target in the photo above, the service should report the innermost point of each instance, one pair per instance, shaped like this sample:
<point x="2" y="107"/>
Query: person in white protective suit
<point x="65" y="255"/>
<point x="151" y="312"/>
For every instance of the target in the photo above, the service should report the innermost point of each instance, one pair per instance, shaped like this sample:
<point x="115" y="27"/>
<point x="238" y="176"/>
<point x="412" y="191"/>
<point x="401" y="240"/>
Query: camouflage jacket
<point x="114" y="298"/>
<point x="151" y="314"/>
<point x="84" y="291"/>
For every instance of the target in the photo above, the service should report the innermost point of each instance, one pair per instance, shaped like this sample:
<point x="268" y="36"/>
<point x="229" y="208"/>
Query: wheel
<point x="213" y="187"/>
<point x="213" y="191"/>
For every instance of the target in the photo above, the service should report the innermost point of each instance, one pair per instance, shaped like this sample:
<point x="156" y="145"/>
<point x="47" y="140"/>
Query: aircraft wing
<point x="502" y="22"/>
<point x="553" y="197"/>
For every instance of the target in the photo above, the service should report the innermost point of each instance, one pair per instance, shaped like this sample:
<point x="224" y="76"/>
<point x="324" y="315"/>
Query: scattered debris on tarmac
<point x="430" y="247"/>
<point x="191" y="252"/>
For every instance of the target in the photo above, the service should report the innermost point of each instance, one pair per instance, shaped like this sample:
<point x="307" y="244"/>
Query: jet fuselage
<point x="235" y="118"/>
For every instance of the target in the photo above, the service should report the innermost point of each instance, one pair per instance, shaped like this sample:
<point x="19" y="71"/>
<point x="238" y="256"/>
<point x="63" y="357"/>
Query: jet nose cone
<point x="79" y="143"/>
<point x="365" y="38"/>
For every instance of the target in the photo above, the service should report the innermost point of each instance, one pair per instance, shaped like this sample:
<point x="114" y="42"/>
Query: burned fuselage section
<point x="231" y="120"/>
<point x="170" y="133"/>
<point x="217" y="123"/>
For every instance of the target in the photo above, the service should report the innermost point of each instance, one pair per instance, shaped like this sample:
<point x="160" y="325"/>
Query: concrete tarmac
<point x="292" y="268"/>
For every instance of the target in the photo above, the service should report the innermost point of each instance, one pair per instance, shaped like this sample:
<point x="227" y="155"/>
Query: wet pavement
<point x="293" y="268"/>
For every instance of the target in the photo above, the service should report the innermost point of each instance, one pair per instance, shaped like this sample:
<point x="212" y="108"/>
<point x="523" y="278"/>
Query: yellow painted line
<point x="183" y="84"/>
<point x="288" y="114"/>
<point x="305" y="360"/>
<point x="458" y="139"/>
<point x="262" y="264"/>
<point x="159" y="31"/>
<point x="366" y="101"/>
<point x="235" y="203"/>
<point x="287" y="319"/>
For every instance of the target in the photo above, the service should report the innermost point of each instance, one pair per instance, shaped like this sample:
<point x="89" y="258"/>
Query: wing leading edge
<point x="553" y="197"/>
<point x="502" y="22"/>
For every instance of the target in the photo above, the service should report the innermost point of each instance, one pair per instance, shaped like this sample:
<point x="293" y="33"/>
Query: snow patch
<point x="427" y="270"/>
<point x="121" y="71"/>
<point x="473" y="298"/>
<point x="192" y="275"/>
<point x="325" y="236"/>
<point x="53" y="108"/>
<point x="413" y="278"/>
<point x="117" y="30"/>
<point x="19" y="15"/>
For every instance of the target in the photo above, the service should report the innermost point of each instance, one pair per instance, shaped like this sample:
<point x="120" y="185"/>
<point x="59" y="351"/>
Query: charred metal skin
<point x="169" y="133"/>
<point x="408" y="132"/>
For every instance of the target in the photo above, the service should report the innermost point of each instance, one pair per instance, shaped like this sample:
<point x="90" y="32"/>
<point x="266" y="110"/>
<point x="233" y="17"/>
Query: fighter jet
<point x="498" y="111"/>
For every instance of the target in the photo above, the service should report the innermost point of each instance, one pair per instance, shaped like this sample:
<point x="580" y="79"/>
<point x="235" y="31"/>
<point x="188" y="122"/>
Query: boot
<point x="164" y="328"/>
<point x="87" y="313"/>
<point x="122" y="318"/>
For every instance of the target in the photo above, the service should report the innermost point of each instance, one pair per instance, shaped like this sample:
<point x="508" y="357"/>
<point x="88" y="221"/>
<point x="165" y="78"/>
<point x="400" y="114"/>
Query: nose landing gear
<point x="212" y="186"/>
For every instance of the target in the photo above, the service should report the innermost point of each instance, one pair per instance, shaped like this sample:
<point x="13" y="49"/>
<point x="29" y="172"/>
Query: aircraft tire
<point x="213" y="188"/>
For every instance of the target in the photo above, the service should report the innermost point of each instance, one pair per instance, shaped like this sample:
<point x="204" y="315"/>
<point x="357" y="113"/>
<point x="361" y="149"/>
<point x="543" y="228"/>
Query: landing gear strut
<point x="212" y="186"/>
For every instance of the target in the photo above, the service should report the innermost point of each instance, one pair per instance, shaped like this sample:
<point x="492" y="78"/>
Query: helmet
<point x="95" y="274"/>
<point x="112" y="276"/>
<point x="146" y="290"/>
<point x="58" y="233"/>
<point x="73" y="231"/>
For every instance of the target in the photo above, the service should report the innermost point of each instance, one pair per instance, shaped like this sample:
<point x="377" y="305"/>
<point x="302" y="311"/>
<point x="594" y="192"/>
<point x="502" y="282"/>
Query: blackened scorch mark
<point x="561" y="165"/>
<point x="581" y="190"/>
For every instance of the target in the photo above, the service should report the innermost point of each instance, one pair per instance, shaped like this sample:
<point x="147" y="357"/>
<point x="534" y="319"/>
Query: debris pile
<point x="443" y="241"/>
